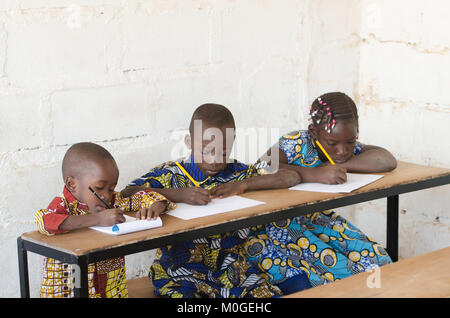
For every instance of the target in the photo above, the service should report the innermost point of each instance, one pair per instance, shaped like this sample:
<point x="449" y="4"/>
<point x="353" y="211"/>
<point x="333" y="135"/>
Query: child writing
<point x="212" y="266"/>
<point x="323" y="245"/>
<point x="87" y="165"/>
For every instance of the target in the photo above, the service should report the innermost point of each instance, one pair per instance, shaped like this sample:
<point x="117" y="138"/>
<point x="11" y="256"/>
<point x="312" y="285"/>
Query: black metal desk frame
<point x="391" y="193"/>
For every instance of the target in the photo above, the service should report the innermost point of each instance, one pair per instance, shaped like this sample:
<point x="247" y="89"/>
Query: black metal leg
<point x="392" y="227"/>
<point x="23" y="270"/>
<point x="81" y="278"/>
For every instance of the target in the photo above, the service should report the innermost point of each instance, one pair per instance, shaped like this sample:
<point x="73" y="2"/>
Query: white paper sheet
<point x="129" y="226"/>
<point x="186" y="211"/>
<point x="354" y="181"/>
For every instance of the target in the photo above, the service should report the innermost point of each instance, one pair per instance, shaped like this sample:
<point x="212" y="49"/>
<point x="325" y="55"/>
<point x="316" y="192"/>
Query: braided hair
<point x="330" y="107"/>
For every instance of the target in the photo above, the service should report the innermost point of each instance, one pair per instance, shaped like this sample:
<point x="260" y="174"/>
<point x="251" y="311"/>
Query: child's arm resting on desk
<point x="371" y="159"/>
<point x="191" y="195"/>
<point x="107" y="217"/>
<point x="283" y="178"/>
<point x="57" y="218"/>
<point x="163" y="179"/>
<point x="148" y="204"/>
<point x="49" y="220"/>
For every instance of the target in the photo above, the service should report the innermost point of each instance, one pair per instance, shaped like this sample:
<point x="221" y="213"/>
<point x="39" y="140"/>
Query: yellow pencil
<point x="326" y="154"/>
<point x="187" y="174"/>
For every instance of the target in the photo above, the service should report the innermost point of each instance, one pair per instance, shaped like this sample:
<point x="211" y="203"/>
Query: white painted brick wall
<point x="405" y="62"/>
<point x="19" y="124"/>
<point x="166" y="40"/>
<point x="405" y="106"/>
<point x="99" y="114"/>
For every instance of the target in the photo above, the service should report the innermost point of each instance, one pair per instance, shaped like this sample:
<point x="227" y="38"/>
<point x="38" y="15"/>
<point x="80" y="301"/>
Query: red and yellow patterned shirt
<point x="105" y="278"/>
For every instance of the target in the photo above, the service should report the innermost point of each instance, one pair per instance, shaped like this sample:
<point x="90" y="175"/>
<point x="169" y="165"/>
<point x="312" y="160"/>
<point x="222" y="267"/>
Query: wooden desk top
<point x="85" y="241"/>
<point x="422" y="276"/>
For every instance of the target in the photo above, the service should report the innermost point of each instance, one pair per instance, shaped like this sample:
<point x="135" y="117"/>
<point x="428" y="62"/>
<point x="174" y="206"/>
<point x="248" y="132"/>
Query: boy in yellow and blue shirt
<point x="216" y="265"/>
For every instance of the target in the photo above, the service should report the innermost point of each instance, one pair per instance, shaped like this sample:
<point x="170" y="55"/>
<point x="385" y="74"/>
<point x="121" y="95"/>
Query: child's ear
<point x="71" y="184"/>
<point x="187" y="141"/>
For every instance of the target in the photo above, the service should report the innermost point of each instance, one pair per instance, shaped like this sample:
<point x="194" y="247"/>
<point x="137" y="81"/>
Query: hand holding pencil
<point x="192" y="195"/>
<point x="110" y="216"/>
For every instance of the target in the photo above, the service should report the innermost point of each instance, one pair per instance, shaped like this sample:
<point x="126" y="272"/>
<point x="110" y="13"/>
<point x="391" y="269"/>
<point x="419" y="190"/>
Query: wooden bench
<point x="422" y="276"/>
<point x="425" y="275"/>
<point x="141" y="287"/>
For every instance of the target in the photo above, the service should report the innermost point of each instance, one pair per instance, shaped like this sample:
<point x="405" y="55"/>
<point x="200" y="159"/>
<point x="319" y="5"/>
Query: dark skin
<point x="102" y="175"/>
<point x="206" y="160"/>
<point x="211" y="158"/>
<point x="283" y="178"/>
<point x="339" y="145"/>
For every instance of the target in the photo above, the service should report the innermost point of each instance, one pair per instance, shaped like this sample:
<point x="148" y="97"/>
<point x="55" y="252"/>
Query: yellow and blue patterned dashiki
<point x="213" y="266"/>
<point x="323" y="245"/>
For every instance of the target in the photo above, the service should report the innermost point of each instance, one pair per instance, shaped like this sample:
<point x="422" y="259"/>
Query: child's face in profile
<point x="211" y="150"/>
<point x="102" y="176"/>
<point x="340" y="143"/>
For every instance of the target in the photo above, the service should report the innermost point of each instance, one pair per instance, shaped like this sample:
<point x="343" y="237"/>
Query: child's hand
<point x="152" y="212"/>
<point x="330" y="174"/>
<point x="195" y="196"/>
<point x="228" y="189"/>
<point x="110" y="217"/>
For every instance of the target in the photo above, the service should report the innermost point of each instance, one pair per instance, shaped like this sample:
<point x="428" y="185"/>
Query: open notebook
<point x="129" y="226"/>
<point x="354" y="181"/>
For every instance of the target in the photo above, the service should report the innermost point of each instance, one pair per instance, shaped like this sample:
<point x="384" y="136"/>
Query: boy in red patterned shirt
<point x="89" y="165"/>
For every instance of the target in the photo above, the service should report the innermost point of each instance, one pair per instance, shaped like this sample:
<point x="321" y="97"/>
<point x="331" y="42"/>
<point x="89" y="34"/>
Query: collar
<point x="71" y="200"/>
<point x="195" y="172"/>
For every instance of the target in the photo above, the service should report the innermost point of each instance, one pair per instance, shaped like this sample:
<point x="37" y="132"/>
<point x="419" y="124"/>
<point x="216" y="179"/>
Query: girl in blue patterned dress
<point x="322" y="245"/>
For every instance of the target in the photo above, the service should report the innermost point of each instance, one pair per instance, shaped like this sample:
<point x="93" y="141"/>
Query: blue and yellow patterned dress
<point x="322" y="245"/>
<point x="212" y="266"/>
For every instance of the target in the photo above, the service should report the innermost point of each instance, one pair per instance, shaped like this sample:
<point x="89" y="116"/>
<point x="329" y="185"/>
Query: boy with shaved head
<point x="90" y="165"/>
<point x="213" y="266"/>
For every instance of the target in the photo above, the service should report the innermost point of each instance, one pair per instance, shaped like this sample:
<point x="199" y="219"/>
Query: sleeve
<point x="242" y="171"/>
<point x="159" y="177"/>
<point x="258" y="169"/>
<point x="291" y="145"/>
<point x="48" y="220"/>
<point x="141" y="199"/>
